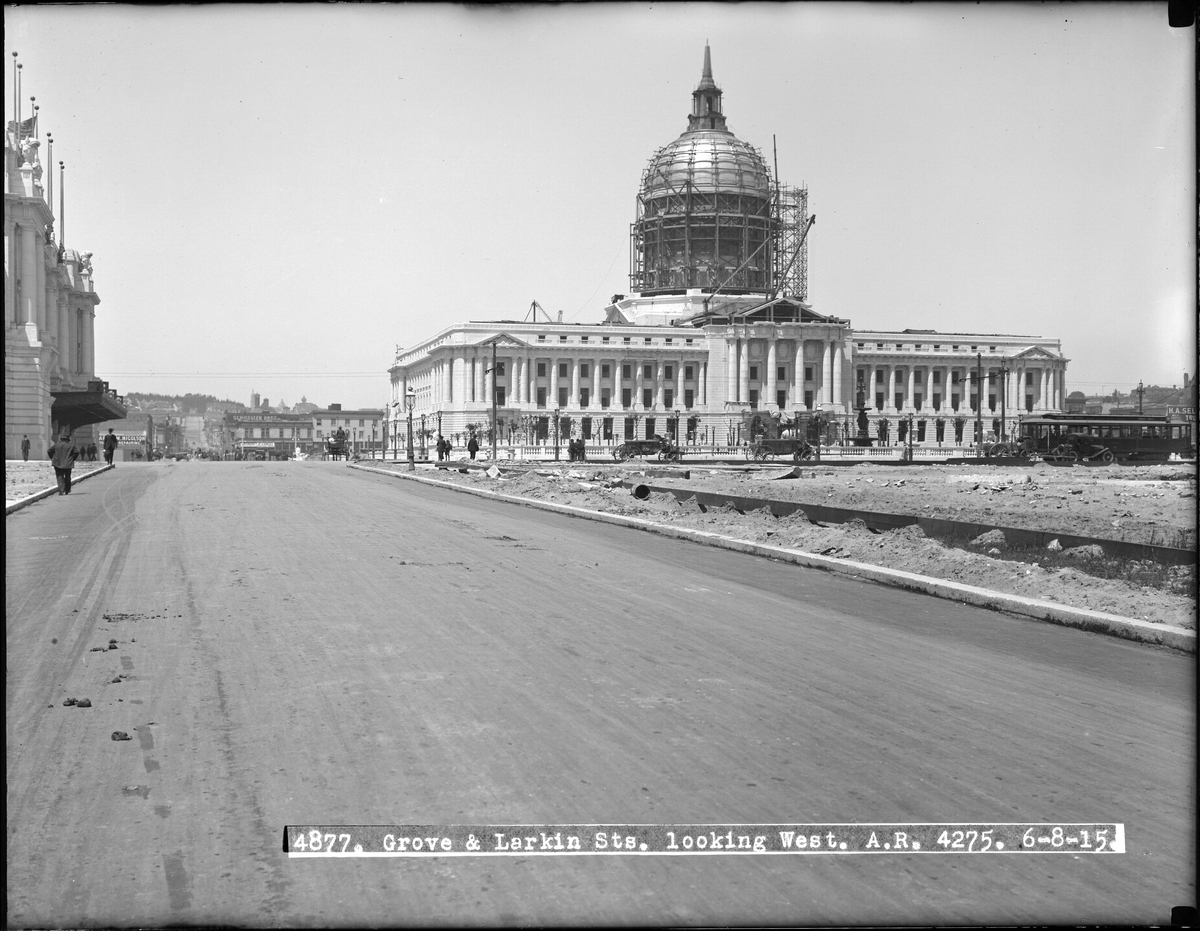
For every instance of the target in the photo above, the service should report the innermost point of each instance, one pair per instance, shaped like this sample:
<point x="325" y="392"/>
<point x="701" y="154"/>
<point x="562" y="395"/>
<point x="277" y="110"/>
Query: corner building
<point x="717" y="324"/>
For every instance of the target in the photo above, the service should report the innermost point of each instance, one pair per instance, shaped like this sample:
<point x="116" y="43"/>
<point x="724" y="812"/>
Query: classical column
<point x="702" y="382"/>
<point x="770" y="379"/>
<point x="595" y="399"/>
<point x="29" y="313"/>
<point x="89" y="345"/>
<point x="910" y="397"/>
<point x="552" y="401"/>
<point x="64" y="334"/>
<point x="743" y="386"/>
<point x="448" y="397"/>
<point x="798" y="374"/>
<point x="679" y="363"/>
<point x="573" y="401"/>
<point x="480" y="366"/>
<point x="826" y="395"/>
<point x="731" y="370"/>
<point x="839" y="350"/>
<point x="889" y="403"/>
<point x="927" y="401"/>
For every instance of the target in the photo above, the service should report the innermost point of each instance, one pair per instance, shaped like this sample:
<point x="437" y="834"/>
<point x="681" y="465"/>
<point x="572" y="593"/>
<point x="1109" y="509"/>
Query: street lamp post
<point x="556" y="422"/>
<point x="410" y="401"/>
<point x="424" y="450"/>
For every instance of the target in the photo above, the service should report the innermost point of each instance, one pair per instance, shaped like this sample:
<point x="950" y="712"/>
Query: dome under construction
<point x="704" y="215"/>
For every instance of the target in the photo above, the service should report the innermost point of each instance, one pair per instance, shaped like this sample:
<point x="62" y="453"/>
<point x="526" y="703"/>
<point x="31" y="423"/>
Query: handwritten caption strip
<point x="479" y="840"/>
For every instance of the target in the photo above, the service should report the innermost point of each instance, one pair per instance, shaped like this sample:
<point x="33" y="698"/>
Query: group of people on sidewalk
<point x="64" y="454"/>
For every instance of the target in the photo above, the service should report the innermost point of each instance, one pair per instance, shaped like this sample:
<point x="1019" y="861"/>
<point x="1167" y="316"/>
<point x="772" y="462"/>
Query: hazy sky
<point x="276" y="196"/>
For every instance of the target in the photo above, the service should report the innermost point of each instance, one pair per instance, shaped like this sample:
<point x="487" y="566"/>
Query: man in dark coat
<point x="25" y="447"/>
<point x="472" y="446"/>
<point x="62" y="456"/>
<point x="110" y="446"/>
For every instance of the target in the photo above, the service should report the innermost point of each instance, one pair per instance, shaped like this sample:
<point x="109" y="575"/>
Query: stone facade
<point x="50" y="304"/>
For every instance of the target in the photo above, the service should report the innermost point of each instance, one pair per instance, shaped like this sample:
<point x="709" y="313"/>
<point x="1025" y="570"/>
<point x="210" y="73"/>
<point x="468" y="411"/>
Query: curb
<point x="47" y="492"/>
<point x="1178" y="638"/>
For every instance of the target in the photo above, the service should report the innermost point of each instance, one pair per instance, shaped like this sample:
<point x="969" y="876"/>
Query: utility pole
<point x="495" y="422"/>
<point x="1003" y="394"/>
<point x="1141" y="391"/>
<point x="978" y="402"/>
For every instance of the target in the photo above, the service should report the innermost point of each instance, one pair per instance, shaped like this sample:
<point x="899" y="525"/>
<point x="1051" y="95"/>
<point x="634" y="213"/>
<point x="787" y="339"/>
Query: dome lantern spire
<point x="706" y="101"/>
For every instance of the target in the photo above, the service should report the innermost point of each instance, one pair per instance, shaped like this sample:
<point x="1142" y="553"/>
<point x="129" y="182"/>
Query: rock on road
<point x="305" y="643"/>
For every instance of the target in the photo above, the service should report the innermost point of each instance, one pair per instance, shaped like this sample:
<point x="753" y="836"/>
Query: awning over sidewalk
<point x="97" y="404"/>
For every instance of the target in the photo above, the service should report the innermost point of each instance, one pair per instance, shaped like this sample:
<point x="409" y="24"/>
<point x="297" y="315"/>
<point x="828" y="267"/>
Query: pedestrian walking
<point x="91" y="452"/>
<point x="62" y="456"/>
<point x="110" y="446"/>
<point x="472" y="446"/>
<point x="25" y="447"/>
<point x="449" y="446"/>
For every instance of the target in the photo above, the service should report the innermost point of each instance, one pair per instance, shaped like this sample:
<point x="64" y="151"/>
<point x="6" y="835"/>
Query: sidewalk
<point x="26" y="482"/>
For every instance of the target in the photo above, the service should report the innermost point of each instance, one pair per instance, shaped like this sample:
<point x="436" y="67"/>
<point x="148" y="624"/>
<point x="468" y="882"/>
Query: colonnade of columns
<point x="461" y="380"/>
<point x="940" y="384"/>
<point x="788" y="353"/>
<point x="44" y="308"/>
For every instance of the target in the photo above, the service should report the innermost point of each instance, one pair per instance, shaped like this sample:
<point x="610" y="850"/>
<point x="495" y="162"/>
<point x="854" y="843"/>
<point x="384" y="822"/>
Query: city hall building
<point x="717" y="324"/>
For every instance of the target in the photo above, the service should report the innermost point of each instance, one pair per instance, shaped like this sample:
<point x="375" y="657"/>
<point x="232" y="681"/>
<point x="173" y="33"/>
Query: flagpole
<point x="33" y="109"/>
<point x="62" y="209"/>
<point x="19" y="67"/>
<point x="50" y="162"/>
<point x="16" y="93"/>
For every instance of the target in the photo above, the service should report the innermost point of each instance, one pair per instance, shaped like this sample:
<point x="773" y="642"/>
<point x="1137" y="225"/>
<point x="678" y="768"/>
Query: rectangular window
<point x="562" y="370"/>
<point x="541" y="398"/>
<point x="541" y="337"/>
<point x="781" y="373"/>
<point x="499" y="395"/>
<point x="605" y="371"/>
<point x="754" y="373"/>
<point x="362" y="423"/>
<point x="625" y="340"/>
<point x="586" y="424"/>
<point x="879" y="345"/>
<point x="781" y="399"/>
<point x="937" y="402"/>
<point x="629" y="428"/>
<point x="991" y="348"/>
<point x="878" y="400"/>
<point x="627" y="397"/>
<point x="668" y="398"/>
<point x="668" y="372"/>
<point x="668" y="340"/>
<point x="899" y="399"/>
<point x="648" y="371"/>
<point x="583" y="339"/>
<point x="563" y="393"/>
<point x="1029" y="379"/>
<point x="606" y="428"/>
<point x="584" y="396"/>
<point x="753" y="399"/>
<point x="499" y="369"/>
<point x="808" y="373"/>
<point x="541" y="370"/>
<point x="954" y="347"/>
<point x="605" y="397"/>
<point x="647" y="340"/>
<point x="937" y="378"/>
<point x="627" y="371"/>
<point x="808" y="399"/>
<point x="687" y="373"/>
<point x="647" y="398"/>
<point x="688" y="341"/>
<point x="562" y="339"/>
<point x="689" y="398"/>
<point x="650" y="428"/>
<point x="583" y="370"/>
<point x="604" y="339"/>
<point x="543" y="428"/>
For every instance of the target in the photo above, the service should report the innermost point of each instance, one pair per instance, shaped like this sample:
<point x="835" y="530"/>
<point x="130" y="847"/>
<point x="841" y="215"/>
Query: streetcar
<point x="1107" y="437"/>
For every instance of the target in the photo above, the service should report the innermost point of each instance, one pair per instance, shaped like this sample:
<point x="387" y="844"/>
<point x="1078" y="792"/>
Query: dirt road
<point x="299" y="642"/>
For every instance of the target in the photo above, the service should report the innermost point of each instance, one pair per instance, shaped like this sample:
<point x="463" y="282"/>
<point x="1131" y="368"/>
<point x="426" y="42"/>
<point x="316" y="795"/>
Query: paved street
<point x="308" y="643"/>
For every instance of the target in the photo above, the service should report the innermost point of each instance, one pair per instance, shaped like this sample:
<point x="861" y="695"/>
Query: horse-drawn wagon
<point x="663" y="449"/>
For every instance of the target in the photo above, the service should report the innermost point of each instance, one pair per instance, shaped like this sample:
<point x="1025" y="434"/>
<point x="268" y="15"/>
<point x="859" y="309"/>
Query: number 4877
<point x="316" y="842"/>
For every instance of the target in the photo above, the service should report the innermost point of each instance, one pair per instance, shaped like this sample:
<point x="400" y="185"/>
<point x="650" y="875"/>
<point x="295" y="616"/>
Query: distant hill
<point x="184" y="403"/>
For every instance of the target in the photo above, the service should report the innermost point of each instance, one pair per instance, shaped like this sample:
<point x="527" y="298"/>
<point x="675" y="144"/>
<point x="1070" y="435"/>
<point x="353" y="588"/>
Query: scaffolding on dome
<point x="791" y="251"/>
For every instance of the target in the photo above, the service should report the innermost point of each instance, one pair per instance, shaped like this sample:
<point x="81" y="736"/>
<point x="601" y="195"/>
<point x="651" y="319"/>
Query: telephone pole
<point x="1141" y="391"/>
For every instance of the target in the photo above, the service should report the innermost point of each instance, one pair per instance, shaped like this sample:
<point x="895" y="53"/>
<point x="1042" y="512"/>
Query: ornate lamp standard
<point x="557" y="415"/>
<point x="410" y="401"/>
